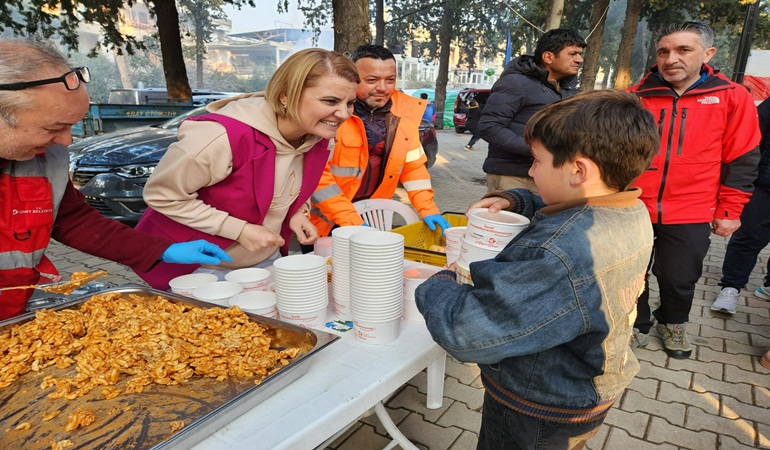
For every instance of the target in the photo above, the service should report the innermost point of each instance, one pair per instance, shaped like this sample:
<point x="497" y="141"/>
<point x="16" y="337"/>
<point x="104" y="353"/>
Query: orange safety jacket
<point x="332" y="200"/>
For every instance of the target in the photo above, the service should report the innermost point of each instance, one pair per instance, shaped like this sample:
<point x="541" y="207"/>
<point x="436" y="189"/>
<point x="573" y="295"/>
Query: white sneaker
<point x="763" y="292"/>
<point x="726" y="301"/>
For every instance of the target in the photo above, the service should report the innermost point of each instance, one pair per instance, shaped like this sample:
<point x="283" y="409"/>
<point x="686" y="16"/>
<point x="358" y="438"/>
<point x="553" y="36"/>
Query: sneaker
<point x="469" y="148"/>
<point x="675" y="340"/>
<point x="726" y="301"/>
<point x="765" y="361"/>
<point x="639" y="339"/>
<point x="763" y="292"/>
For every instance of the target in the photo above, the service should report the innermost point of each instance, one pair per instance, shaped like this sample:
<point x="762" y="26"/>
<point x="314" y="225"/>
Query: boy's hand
<point x="494" y="204"/>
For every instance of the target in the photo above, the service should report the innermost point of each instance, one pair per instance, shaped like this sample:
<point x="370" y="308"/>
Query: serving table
<point x="345" y="380"/>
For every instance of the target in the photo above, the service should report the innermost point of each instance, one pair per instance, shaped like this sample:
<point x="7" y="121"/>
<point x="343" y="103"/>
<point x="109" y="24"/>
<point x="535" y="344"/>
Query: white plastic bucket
<point x="377" y="332"/>
<point x="471" y="253"/>
<point x="493" y="230"/>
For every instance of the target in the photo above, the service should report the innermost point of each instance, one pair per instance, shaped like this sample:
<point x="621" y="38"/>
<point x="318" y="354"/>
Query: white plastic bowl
<point x="186" y="284"/>
<point x="256" y="302"/>
<point x="218" y="292"/>
<point x="251" y="278"/>
<point x="493" y="230"/>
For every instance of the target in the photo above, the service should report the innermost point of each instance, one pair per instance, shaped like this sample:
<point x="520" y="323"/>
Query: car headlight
<point x="137" y="171"/>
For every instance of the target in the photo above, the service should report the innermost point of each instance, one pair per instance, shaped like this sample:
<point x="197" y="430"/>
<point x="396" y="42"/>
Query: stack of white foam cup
<point x="376" y="285"/>
<point x="300" y="290"/>
<point x="341" y="270"/>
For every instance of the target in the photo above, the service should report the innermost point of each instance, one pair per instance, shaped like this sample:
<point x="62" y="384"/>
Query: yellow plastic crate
<point x="418" y="238"/>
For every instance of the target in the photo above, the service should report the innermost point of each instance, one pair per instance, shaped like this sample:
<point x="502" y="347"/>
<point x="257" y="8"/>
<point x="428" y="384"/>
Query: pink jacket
<point x="245" y="194"/>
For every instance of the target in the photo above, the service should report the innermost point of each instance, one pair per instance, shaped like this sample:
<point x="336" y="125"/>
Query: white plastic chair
<point x="378" y="212"/>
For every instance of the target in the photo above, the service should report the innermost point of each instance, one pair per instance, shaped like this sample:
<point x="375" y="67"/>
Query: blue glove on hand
<point x="436" y="219"/>
<point x="195" y="252"/>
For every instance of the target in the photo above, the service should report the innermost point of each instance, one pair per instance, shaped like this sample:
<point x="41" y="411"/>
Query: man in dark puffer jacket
<point x="527" y="84"/>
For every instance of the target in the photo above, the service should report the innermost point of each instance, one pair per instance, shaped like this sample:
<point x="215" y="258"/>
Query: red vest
<point x="30" y="194"/>
<point x="253" y="165"/>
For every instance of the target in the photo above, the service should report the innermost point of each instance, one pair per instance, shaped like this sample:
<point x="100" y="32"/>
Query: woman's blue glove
<point x="195" y="252"/>
<point x="436" y="219"/>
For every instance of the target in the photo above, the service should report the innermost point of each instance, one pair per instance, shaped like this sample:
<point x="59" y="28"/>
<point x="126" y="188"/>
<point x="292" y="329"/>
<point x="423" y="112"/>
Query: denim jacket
<point x="549" y="320"/>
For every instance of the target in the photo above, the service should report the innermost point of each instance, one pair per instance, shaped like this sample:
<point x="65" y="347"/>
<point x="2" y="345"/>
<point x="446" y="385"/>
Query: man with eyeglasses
<point x="41" y="98"/>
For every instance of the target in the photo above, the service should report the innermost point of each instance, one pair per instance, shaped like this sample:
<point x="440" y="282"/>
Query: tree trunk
<point x="379" y="22"/>
<point x="124" y="71"/>
<point x="200" y="50"/>
<point x="174" y="70"/>
<point x="627" y="38"/>
<point x="445" y="36"/>
<point x="351" y="24"/>
<point x="594" y="44"/>
<point x="554" y="14"/>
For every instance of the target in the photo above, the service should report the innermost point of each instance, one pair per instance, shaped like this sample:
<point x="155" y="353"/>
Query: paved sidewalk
<point x="718" y="399"/>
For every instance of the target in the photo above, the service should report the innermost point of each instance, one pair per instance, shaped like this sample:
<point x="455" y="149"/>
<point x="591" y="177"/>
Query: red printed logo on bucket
<point x="493" y="230"/>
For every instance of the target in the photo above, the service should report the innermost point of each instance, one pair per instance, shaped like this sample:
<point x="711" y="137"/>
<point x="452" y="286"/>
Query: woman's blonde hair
<point x="302" y="70"/>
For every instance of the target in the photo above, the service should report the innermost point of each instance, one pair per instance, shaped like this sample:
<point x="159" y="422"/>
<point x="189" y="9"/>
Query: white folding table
<point x="345" y="380"/>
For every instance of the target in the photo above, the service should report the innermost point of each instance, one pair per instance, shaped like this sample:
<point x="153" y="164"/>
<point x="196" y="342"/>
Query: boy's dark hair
<point x="371" y="51"/>
<point x="609" y="127"/>
<point x="555" y="41"/>
<point x="701" y="29"/>
<point x="424" y="96"/>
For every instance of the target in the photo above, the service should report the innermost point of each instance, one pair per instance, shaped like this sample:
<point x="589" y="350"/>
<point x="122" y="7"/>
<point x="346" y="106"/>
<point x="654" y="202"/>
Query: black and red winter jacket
<point x="709" y="153"/>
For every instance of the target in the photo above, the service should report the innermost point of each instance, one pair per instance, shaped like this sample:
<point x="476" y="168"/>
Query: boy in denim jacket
<point x="549" y="320"/>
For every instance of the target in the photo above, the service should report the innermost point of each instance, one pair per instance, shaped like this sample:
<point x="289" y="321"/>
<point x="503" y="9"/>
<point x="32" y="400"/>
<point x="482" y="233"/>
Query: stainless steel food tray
<point x="142" y="421"/>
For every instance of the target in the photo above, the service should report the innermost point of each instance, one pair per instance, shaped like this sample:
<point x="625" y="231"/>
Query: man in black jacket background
<point x="527" y="84"/>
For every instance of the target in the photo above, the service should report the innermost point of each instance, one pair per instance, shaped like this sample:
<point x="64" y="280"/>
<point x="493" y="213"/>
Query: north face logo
<point x="708" y="100"/>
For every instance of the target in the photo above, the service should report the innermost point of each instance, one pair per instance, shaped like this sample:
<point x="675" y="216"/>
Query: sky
<point x="263" y="17"/>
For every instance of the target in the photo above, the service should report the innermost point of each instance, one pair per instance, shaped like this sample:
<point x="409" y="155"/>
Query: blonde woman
<point x="242" y="175"/>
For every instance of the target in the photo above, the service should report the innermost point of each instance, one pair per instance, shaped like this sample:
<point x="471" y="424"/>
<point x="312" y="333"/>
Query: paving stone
<point x="742" y="327"/>
<point x="420" y="382"/>
<point x="428" y="434"/>
<point x="597" y="441"/>
<point x="712" y="369"/>
<point x="762" y="396"/>
<point x="662" y="431"/>
<point x="733" y="409"/>
<point x="460" y="416"/>
<point x="738" y="336"/>
<point x="635" y="423"/>
<point x="733" y="348"/>
<point x="620" y="439"/>
<point x="472" y="397"/>
<point x="409" y="398"/>
<point x="648" y="387"/>
<point x="706" y="400"/>
<point x="464" y="372"/>
<point x="397" y="415"/>
<point x="713" y="343"/>
<point x="764" y="435"/>
<point x="653" y="353"/>
<point x="680" y="378"/>
<point x="729" y="443"/>
<point x="704" y="384"/>
<point x="708" y="355"/>
<point x="466" y="441"/>
<point x="364" y="438"/>
<point x="741" y="430"/>
<point x="736" y="375"/>
<point x="670" y="410"/>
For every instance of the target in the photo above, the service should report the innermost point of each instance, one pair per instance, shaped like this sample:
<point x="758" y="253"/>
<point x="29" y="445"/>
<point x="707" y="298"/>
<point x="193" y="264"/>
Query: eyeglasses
<point x="71" y="80"/>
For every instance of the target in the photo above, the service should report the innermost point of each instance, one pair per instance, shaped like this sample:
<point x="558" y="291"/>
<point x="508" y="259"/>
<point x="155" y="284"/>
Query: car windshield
<point x="174" y="123"/>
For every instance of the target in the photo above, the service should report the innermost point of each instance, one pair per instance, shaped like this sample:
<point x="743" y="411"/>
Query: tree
<point x="201" y="14"/>
<point x="628" y="36"/>
<point x="594" y="44"/>
<point x="554" y="14"/>
<point x="349" y="17"/>
<point x="49" y="17"/>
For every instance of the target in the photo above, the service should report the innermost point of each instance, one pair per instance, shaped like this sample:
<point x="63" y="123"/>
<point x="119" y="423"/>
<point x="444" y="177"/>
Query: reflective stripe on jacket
<point x="332" y="200"/>
<point x="30" y="194"/>
<point x="708" y="150"/>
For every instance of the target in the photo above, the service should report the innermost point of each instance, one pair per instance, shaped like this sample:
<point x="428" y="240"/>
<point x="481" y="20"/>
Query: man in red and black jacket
<point x="41" y="98"/>
<point x="700" y="179"/>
